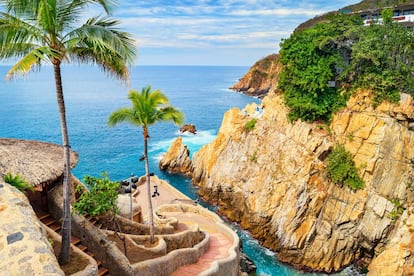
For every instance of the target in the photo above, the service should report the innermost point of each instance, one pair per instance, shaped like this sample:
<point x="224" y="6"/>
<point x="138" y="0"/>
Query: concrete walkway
<point x="220" y="244"/>
<point x="167" y="195"/>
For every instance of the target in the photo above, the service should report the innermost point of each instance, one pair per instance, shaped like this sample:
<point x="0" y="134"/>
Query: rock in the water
<point x="188" y="128"/>
<point x="247" y="265"/>
<point x="177" y="159"/>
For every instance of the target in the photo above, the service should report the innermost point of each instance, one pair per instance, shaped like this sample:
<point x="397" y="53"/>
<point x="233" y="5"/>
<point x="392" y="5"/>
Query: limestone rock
<point x="398" y="256"/>
<point x="272" y="179"/>
<point x="188" y="128"/>
<point x="261" y="77"/>
<point x="177" y="159"/>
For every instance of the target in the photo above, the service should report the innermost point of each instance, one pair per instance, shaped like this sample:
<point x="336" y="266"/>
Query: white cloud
<point x="278" y="12"/>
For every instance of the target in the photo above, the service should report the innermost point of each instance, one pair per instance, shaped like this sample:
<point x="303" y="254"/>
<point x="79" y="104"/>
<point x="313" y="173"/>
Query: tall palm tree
<point x="47" y="31"/>
<point x="148" y="108"/>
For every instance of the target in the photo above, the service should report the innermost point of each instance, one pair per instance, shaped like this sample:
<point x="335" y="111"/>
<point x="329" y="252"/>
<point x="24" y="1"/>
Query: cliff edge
<point x="261" y="77"/>
<point x="271" y="178"/>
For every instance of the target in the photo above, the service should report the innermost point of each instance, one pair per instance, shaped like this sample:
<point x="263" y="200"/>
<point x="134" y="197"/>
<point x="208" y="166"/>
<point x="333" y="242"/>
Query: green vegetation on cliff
<point x="324" y="64"/>
<point x="341" y="169"/>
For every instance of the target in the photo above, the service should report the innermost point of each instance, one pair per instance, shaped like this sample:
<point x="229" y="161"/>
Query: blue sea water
<point x="28" y="110"/>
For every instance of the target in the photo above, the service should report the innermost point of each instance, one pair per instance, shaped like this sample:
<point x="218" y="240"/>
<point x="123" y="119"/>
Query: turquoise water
<point x="28" y="110"/>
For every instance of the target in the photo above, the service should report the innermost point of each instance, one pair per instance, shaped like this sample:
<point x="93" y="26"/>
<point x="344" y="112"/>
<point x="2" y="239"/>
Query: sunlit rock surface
<point x="272" y="180"/>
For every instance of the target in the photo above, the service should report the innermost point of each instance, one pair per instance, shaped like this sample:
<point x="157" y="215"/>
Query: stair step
<point x="55" y="226"/>
<point x="81" y="247"/>
<point x="74" y="240"/>
<point x="102" y="271"/>
<point x="44" y="216"/>
<point x="48" y="221"/>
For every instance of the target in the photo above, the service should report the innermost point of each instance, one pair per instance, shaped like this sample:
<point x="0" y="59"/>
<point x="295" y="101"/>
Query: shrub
<point x="18" y="182"/>
<point x="100" y="198"/>
<point x="341" y="169"/>
<point x="249" y="126"/>
<point x="397" y="211"/>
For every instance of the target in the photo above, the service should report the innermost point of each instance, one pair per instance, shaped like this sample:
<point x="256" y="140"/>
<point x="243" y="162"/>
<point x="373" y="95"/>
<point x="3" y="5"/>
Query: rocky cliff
<point x="177" y="159"/>
<point x="261" y="77"/>
<point x="271" y="178"/>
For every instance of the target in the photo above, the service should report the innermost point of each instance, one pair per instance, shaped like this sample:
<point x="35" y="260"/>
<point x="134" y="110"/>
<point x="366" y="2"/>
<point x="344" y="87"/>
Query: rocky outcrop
<point x="24" y="246"/>
<point x="398" y="257"/>
<point x="188" y="128"/>
<point x="177" y="159"/>
<point x="272" y="180"/>
<point x="261" y="77"/>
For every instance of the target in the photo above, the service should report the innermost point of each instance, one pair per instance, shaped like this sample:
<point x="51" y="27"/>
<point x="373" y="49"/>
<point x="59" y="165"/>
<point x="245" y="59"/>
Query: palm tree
<point x="148" y="108"/>
<point x="46" y="31"/>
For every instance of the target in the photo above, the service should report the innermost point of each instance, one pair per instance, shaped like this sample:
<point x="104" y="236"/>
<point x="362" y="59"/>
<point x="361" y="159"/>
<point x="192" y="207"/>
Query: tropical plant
<point x="148" y="108"/>
<point x="249" y="126"/>
<point x="17" y="181"/>
<point x="312" y="60"/>
<point x="47" y="31"/>
<point x="382" y="60"/>
<point x="100" y="198"/>
<point x="341" y="169"/>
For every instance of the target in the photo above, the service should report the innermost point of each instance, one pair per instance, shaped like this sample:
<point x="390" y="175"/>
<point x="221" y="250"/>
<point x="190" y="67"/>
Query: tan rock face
<point x="272" y="179"/>
<point x="177" y="159"/>
<point x="261" y="78"/>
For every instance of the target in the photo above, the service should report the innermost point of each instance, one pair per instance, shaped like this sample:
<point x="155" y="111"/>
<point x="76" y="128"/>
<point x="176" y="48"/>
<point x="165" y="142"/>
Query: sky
<point x="211" y="32"/>
<point x="214" y="32"/>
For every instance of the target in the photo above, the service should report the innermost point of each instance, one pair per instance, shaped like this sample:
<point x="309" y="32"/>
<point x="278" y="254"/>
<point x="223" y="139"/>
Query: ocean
<point x="28" y="110"/>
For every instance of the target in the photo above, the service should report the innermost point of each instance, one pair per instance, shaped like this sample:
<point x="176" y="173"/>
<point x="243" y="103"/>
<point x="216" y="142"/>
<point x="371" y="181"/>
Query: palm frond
<point x="29" y="61"/>
<point x="170" y="113"/>
<point x="17" y="37"/>
<point x="121" y="115"/>
<point x="100" y="42"/>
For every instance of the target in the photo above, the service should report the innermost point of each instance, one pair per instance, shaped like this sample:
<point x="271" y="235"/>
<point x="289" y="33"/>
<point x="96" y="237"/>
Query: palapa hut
<point x="39" y="163"/>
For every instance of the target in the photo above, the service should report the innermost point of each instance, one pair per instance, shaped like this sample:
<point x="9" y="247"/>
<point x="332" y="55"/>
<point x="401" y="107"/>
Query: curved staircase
<point x="49" y="221"/>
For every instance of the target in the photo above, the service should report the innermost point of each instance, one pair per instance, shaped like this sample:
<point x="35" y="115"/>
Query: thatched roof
<point x="37" y="162"/>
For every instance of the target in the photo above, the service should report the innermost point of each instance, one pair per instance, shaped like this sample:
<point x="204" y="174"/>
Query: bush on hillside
<point x="341" y="169"/>
<point x="100" y="198"/>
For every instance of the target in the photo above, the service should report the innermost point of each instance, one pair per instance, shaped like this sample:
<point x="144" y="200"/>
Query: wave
<point x="193" y="141"/>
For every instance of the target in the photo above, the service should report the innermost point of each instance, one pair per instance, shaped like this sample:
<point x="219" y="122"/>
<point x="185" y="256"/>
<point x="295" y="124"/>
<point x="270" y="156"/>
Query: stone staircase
<point x="49" y="221"/>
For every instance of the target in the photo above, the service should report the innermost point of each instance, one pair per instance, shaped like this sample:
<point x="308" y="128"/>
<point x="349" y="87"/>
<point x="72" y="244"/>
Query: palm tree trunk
<point x="151" y="217"/>
<point x="64" y="256"/>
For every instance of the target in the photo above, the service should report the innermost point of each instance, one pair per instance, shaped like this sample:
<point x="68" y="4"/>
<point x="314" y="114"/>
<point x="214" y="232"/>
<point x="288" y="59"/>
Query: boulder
<point x="188" y="128"/>
<point x="177" y="159"/>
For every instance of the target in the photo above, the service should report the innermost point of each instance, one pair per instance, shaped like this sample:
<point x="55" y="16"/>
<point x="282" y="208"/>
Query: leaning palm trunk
<point x="147" y="172"/>
<point x="64" y="255"/>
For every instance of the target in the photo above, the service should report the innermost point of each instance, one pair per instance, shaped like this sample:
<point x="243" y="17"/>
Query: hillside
<point x="262" y="77"/>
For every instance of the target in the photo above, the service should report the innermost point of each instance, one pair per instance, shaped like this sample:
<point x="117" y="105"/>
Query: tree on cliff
<point x="311" y="59"/>
<point x="46" y="31"/>
<point x="148" y="108"/>
<point x="382" y="60"/>
<point x="325" y="64"/>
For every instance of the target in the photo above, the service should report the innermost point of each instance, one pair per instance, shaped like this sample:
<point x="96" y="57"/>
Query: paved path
<point x="167" y="195"/>
<point x="220" y="244"/>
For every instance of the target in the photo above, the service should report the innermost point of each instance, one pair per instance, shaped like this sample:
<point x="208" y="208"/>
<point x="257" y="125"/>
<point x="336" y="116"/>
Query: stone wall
<point x="24" y="247"/>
